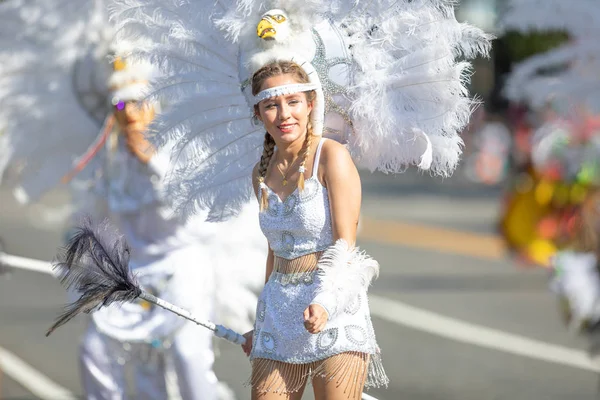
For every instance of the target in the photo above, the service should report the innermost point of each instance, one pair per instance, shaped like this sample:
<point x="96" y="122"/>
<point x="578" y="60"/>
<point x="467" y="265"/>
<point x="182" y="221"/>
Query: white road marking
<point x="430" y="322"/>
<point x="367" y="397"/>
<point x="31" y="379"/>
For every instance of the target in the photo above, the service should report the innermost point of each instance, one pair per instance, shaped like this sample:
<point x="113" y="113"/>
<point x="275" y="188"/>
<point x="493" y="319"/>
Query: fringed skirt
<point x="285" y="355"/>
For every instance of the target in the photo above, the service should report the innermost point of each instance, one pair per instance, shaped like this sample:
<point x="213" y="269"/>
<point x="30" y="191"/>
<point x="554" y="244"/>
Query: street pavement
<point x="424" y="360"/>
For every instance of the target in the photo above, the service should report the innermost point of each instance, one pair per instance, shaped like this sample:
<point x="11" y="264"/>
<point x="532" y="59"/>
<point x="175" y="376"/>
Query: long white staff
<point x="29" y="264"/>
<point x="95" y="263"/>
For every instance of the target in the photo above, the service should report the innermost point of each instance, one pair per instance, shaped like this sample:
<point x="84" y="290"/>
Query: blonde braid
<point x="265" y="159"/>
<point x="306" y="148"/>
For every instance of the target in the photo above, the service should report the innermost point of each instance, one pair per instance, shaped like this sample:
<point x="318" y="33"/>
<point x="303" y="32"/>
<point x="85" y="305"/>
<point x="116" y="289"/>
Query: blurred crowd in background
<point x="536" y="134"/>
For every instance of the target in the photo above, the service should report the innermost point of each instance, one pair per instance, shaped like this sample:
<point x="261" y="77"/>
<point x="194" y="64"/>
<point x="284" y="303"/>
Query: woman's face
<point x="133" y="115"/>
<point x="285" y="117"/>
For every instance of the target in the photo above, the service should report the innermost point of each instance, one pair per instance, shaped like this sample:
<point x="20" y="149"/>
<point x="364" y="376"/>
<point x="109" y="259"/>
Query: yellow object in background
<point x="578" y="193"/>
<point x="562" y="195"/>
<point x="544" y="192"/>
<point x="541" y="251"/>
<point x="532" y="202"/>
<point x="522" y="215"/>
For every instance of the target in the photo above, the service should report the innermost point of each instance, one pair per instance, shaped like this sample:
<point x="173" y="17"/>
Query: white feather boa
<point x="343" y="272"/>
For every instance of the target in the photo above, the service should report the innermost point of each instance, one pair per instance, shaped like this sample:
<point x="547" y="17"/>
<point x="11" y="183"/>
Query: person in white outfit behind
<point x="130" y="350"/>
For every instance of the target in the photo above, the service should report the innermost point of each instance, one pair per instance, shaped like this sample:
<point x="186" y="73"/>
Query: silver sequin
<point x="268" y="342"/>
<point x="327" y="338"/>
<point x="354" y="305"/>
<point x="260" y="310"/>
<point x="289" y="204"/>
<point x="356" y="334"/>
<point x="323" y="65"/>
<point x="288" y="241"/>
<point x="311" y="189"/>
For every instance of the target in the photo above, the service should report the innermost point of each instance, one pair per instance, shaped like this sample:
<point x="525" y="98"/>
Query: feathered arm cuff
<point x="342" y="273"/>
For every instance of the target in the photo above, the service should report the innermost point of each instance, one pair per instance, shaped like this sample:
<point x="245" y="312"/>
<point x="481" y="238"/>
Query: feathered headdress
<point x="388" y="80"/>
<point x="129" y="79"/>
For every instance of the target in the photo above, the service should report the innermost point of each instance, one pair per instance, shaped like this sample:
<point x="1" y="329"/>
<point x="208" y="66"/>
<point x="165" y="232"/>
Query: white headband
<point x="285" y="89"/>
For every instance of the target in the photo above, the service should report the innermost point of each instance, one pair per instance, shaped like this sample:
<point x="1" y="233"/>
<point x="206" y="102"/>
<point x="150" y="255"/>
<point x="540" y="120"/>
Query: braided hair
<point x="265" y="158"/>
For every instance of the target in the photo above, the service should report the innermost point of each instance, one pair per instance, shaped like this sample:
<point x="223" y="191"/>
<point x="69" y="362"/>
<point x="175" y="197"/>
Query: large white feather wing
<point x="410" y="83"/>
<point x="208" y="117"/>
<point x="52" y="94"/>
<point x="565" y="74"/>
<point x="407" y="99"/>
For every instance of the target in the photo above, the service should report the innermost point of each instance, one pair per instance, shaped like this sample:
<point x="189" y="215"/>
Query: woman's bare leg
<point x="277" y="396"/>
<point x="341" y="377"/>
<point x="274" y="380"/>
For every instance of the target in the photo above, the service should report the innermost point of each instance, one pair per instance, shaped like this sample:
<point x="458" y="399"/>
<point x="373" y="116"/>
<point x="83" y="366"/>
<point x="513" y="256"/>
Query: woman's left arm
<point x="341" y="178"/>
<point x="344" y="189"/>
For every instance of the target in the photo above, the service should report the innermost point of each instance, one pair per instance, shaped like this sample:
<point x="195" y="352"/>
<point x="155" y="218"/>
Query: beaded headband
<point x="283" y="90"/>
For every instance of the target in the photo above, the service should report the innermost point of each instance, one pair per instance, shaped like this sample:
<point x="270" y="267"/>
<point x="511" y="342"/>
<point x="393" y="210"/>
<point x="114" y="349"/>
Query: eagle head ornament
<point x="273" y="25"/>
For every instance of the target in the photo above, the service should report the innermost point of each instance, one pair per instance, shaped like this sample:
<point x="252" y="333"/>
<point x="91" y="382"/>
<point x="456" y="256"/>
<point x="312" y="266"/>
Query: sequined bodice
<point x="301" y="224"/>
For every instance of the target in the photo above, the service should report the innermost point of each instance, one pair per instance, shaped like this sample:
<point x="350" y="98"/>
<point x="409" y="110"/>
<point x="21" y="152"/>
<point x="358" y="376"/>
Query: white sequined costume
<point x="296" y="227"/>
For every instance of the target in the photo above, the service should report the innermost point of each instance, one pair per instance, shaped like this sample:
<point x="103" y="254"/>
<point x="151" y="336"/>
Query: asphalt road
<point x="482" y="328"/>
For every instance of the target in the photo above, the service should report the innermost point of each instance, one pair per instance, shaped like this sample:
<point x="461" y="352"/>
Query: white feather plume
<point x="566" y="74"/>
<point x="343" y="272"/>
<point x="46" y="121"/>
<point x="407" y="82"/>
<point x="52" y="93"/>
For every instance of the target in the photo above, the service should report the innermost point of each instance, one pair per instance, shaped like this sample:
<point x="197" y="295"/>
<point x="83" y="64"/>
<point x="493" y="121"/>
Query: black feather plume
<point x="95" y="263"/>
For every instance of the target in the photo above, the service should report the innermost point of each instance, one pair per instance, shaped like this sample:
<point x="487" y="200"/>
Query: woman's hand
<point x="247" y="347"/>
<point x="315" y="318"/>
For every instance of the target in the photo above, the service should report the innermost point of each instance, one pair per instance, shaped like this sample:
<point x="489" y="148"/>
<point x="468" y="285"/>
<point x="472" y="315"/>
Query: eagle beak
<point x="265" y="30"/>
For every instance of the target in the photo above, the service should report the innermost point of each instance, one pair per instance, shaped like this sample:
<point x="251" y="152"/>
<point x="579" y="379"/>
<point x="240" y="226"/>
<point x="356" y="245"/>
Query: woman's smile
<point x="287" y="128"/>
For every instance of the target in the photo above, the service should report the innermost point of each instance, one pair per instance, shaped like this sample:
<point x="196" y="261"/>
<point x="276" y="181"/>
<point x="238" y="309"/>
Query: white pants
<point x="191" y="355"/>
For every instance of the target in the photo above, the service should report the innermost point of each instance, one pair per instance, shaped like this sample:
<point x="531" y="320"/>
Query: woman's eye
<point x="268" y="106"/>
<point x="294" y="102"/>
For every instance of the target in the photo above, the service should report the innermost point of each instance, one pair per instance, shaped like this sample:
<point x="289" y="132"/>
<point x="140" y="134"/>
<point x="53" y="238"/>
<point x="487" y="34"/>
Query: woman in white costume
<point x="169" y="257"/>
<point x="310" y="196"/>
<point x="379" y="77"/>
